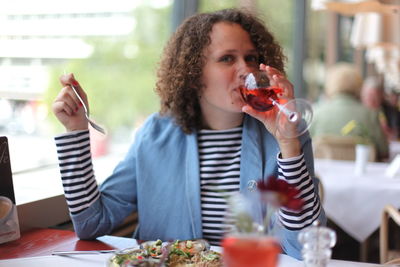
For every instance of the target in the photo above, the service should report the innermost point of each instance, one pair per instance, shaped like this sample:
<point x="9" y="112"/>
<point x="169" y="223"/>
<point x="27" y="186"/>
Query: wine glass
<point x="294" y="116"/>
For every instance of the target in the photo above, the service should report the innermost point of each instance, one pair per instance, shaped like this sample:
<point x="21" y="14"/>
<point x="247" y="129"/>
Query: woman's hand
<point x="290" y="147"/>
<point x="67" y="107"/>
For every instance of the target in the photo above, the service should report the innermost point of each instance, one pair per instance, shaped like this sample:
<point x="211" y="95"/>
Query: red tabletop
<point x="42" y="242"/>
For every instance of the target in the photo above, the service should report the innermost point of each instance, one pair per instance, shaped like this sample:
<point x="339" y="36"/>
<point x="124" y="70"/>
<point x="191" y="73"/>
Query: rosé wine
<point x="261" y="99"/>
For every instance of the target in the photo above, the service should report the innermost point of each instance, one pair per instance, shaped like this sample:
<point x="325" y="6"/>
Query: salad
<point x="187" y="253"/>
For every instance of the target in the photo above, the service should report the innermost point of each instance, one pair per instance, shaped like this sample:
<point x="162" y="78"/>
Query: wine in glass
<point x="294" y="116"/>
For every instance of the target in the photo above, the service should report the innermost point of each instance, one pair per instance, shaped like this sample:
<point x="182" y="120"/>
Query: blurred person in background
<point x="342" y="104"/>
<point x="374" y="97"/>
<point x="372" y="93"/>
<point x="391" y="110"/>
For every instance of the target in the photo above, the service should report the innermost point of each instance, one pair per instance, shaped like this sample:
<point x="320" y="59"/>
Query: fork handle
<point x="80" y="99"/>
<point x="80" y="252"/>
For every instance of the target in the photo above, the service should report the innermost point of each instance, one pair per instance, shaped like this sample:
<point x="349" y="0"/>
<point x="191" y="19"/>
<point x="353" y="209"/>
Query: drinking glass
<point x="250" y="250"/>
<point x="293" y="117"/>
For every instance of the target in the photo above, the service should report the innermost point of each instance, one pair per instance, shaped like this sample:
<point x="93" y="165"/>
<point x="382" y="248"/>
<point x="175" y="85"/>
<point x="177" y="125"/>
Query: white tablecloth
<point x="355" y="203"/>
<point x="394" y="149"/>
<point x="100" y="261"/>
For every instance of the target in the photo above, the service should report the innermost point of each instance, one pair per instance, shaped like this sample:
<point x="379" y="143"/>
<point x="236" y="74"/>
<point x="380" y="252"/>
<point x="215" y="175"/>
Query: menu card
<point x="9" y="225"/>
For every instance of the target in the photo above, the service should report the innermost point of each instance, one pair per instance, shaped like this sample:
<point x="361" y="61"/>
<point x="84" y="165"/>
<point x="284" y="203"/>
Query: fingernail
<point x="80" y="104"/>
<point x="75" y="83"/>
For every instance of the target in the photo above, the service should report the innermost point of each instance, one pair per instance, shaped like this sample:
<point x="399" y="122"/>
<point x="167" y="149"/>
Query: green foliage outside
<point x="119" y="77"/>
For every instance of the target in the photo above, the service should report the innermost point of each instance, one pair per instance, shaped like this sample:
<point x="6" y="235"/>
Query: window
<point x="111" y="47"/>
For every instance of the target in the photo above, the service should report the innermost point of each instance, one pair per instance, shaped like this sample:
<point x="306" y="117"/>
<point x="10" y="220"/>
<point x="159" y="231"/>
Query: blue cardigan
<point x="159" y="178"/>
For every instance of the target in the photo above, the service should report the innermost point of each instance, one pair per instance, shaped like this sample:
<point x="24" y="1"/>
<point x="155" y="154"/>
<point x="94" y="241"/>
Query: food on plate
<point x="192" y="253"/>
<point x="188" y="253"/>
<point x="126" y="257"/>
<point x="153" y="248"/>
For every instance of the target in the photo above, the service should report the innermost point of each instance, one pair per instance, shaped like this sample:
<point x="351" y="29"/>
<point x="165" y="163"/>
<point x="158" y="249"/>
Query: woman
<point x="204" y="145"/>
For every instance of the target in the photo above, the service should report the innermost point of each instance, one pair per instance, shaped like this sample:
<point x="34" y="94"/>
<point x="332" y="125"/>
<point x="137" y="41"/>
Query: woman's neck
<point x="222" y="121"/>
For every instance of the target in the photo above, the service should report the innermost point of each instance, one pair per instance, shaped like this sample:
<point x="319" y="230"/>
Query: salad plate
<point x="179" y="253"/>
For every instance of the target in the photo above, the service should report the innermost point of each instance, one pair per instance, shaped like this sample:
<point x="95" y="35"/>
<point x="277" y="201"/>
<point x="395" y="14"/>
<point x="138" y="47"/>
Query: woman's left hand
<point x="289" y="146"/>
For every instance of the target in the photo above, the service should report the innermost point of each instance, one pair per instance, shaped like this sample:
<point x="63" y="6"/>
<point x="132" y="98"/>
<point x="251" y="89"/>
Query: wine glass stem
<point x="291" y="115"/>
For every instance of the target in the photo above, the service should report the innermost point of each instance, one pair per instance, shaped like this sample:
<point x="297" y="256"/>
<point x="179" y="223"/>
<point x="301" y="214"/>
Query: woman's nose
<point x="244" y="67"/>
<point x="244" y="71"/>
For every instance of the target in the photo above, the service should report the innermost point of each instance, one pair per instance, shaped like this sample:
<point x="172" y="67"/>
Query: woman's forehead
<point x="229" y="35"/>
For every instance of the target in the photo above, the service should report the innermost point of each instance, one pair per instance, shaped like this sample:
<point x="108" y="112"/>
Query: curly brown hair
<point x="180" y="70"/>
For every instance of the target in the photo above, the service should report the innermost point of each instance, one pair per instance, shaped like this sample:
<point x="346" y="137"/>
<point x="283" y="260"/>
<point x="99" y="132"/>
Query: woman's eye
<point x="252" y="58"/>
<point x="226" y="58"/>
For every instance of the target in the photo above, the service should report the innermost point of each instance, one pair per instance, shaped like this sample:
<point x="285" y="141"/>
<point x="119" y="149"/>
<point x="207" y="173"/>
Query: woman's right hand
<point x="67" y="107"/>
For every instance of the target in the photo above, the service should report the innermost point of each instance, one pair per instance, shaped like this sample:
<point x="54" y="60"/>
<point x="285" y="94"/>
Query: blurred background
<point x="113" y="48"/>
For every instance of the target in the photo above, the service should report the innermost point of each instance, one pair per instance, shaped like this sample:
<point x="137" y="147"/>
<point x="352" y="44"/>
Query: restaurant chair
<point x="386" y="255"/>
<point x="395" y="262"/>
<point x="337" y="147"/>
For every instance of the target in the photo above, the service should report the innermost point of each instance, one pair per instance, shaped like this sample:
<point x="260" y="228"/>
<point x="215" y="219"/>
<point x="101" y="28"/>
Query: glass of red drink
<point x="258" y="93"/>
<point x="293" y="116"/>
<point x="250" y="250"/>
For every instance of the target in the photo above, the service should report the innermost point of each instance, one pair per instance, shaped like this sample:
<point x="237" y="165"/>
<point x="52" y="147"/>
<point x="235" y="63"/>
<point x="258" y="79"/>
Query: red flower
<point x="278" y="192"/>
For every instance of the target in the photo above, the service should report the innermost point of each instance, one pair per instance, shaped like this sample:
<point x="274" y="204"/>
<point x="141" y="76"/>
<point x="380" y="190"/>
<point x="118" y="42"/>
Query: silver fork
<point x="80" y="252"/>
<point x="94" y="125"/>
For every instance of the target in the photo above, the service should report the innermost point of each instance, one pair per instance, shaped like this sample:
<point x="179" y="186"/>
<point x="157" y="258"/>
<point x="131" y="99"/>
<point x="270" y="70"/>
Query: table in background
<point x="394" y="149"/>
<point x="355" y="203"/>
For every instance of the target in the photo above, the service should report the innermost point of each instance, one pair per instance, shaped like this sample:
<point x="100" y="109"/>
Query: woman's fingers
<point x="62" y="107"/>
<point x="279" y="79"/>
<point x="70" y="101"/>
<point x="67" y="105"/>
<point x="68" y="80"/>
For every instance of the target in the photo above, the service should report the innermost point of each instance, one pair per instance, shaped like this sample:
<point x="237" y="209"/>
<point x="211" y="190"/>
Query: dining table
<point x="355" y="201"/>
<point x="36" y="246"/>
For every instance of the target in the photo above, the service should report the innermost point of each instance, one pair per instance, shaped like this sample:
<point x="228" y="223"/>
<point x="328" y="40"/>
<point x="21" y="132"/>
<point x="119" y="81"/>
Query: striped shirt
<point x="219" y="178"/>
<point x="294" y="171"/>
<point x="219" y="154"/>
<point x="75" y="160"/>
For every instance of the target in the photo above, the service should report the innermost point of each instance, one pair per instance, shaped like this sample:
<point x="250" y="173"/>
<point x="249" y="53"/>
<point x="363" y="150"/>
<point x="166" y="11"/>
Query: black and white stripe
<point x="75" y="161"/>
<point x="295" y="172"/>
<point x="219" y="153"/>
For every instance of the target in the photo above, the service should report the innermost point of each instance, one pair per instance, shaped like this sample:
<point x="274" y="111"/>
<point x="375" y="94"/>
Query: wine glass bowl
<point x="258" y="92"/>
<point x="294" y="116"/>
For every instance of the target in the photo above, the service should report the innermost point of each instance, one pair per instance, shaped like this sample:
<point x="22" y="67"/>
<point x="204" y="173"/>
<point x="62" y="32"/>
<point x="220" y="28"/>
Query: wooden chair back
<point x="337" y="147"/>
<point x="388" y="256"/>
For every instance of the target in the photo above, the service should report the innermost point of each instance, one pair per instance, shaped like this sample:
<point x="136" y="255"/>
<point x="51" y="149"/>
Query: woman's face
<point x="230" y="55"/>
